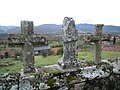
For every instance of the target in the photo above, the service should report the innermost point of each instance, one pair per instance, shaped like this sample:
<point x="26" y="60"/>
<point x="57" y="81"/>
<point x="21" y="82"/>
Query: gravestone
<point x="70" y="37"/>
<point x="27" y="39"/>
<point x="98" y="43"/>
<point x="97" y="38"/>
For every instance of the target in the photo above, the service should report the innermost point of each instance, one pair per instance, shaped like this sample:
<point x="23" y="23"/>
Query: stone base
<point x="66" y="65"/>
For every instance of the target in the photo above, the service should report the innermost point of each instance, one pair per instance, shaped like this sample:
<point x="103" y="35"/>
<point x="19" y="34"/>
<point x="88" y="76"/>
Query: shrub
<point x="60" y="51"/>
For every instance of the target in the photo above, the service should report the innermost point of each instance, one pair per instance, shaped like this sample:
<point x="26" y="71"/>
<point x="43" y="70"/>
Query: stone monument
<point x="70" y="38"/>
<point x="27" y="40"/>
<point x="97" y="38"/>
<point x="98" y="43"/>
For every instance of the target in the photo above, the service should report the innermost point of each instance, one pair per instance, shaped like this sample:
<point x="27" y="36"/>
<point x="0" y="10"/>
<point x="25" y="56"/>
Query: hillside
<point x="56" y="29"/>
<point x="48" y="29"/>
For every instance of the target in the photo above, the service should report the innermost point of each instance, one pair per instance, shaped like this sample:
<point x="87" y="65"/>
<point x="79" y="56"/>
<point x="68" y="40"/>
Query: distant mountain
<point x="112" y="29"/>
<point x="3" y="36"/>
<point x="89" y="28"/>
<point x="48" y="29"/>
<point x="3" y="29"/>
<point x="9" y="29"/>
<point x="16" y="29"/>
<point x="85" y="28"/>
<point x="56" y="29"/>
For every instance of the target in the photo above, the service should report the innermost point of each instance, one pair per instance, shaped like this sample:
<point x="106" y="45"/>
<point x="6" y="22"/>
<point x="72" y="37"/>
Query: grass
<point x="87" y="55"/>
<point x="14" y="68"/>
<point x="55" y="44"/>
<point x="108" y="55"/>
<point x="40" y="61"/>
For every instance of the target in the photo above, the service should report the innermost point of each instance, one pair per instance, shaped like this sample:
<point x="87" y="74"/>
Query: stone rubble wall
<point x="105" y="76"/>
<point x="112" y="82"/>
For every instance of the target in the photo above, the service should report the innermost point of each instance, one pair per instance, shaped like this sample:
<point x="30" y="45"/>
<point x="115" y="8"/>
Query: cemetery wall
<point x="105" y="76"/>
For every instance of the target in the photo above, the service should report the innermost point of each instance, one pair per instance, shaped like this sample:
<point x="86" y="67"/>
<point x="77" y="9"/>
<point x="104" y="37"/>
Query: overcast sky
<point x="53" y="11"/>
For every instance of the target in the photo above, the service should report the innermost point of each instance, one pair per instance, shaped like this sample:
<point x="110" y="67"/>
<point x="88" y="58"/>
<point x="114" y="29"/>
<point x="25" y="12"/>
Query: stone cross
<point x="70" y="37"/>
<point x="97" y="38"/>
<point x="98" y="43"/>
<point x="27" y="39"/>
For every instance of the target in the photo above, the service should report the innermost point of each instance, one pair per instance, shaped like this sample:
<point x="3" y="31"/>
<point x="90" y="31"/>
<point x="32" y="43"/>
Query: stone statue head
<point x="68" y="21"/>
<point x="99" y="26"/>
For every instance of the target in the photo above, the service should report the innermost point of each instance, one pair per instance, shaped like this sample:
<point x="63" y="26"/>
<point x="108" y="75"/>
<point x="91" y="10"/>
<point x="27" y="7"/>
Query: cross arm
<point x="38" y="39"/>
<point x="94" y="38"/>
<point x="15" y="39"/>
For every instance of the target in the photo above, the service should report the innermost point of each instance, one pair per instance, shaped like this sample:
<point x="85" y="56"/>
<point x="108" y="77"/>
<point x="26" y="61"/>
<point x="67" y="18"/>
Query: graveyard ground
<point x="12" y="65"/>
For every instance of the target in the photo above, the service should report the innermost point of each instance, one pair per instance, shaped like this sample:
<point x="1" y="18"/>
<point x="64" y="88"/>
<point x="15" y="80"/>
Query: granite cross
<point x="97" y="38"/>
<point x="27" y="39"/>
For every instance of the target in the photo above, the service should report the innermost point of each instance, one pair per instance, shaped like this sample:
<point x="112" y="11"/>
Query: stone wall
<point x="105" y="76"/>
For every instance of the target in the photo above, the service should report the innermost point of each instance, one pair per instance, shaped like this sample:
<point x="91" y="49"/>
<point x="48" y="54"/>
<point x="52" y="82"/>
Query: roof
<point x="42" y="48"/>
<point x="7" y="49"/>
<point x="2" y="53"/>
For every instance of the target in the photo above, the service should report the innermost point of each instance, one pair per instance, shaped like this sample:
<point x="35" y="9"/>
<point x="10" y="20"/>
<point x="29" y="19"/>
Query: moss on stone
<point x="51" y="82"/>
<point x="90" y="63"/>
<point x="70" y="78"/>
<point x="51" y="71"/>
<point x="87" y="63"/>
<point x="37" y="74"/>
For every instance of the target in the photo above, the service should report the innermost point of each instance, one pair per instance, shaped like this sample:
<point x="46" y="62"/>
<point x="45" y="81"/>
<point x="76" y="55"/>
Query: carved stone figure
<point x="70" y="37"/>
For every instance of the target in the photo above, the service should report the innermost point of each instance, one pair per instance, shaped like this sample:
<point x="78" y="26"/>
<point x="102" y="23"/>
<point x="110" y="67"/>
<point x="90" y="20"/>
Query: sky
<point x="53" y="11"/>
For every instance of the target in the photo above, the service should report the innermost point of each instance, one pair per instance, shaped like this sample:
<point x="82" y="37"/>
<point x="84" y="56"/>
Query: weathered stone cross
<point x="27" y="39"/>
<point x="97" y="38"/>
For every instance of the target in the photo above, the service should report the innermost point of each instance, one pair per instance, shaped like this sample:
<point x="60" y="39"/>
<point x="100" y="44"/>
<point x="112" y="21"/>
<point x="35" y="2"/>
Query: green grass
<point x="1" y="47"/>
<point x="108" y="55"/>
<point x="14" y="68"/>
<point x="87" y="55"/>
<point x="40" y="61"/>
<point x="55" y="44"/>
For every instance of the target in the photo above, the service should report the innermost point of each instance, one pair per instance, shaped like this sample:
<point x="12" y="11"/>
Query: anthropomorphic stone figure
<point x="70" y="37"/>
